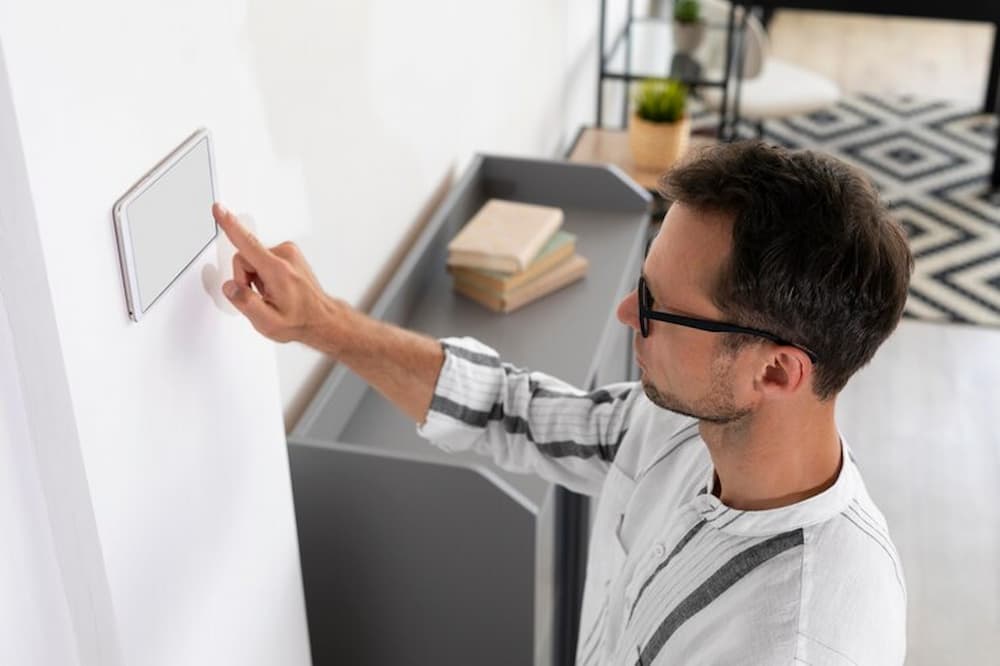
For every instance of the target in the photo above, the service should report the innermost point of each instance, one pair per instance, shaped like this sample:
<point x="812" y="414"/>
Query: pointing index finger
<point x="245" y="242"/>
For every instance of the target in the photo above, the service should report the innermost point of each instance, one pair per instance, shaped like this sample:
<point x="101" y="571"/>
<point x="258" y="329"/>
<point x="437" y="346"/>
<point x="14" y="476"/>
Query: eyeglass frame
<point x="646" y="313"/>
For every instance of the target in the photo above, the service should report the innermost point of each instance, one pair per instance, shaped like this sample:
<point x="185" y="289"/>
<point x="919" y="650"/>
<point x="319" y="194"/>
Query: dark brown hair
<point x="816" y="257"/>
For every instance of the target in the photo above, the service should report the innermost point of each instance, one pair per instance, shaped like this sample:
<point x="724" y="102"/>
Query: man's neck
<point x="770" y="460"/>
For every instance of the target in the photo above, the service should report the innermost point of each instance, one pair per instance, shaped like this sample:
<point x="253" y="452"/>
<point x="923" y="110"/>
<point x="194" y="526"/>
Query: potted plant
<point x="689" y="28"/>
<point x="660" y="128"/>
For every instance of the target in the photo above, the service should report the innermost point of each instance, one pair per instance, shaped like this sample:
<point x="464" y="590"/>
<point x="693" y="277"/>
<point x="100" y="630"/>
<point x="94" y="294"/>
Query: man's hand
<point x="288" y="303"/>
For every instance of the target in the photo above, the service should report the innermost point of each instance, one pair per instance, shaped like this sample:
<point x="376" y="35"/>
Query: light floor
<point x="935" y="59"/>
<point x="923" y="418"/>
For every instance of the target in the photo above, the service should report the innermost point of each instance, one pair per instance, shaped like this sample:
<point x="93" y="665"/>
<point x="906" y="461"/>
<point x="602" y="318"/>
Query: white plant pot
<point x="688" y="36"/>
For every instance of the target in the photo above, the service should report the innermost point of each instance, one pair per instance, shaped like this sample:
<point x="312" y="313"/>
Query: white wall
<point x="150" y="499"/>
<point x="159" y="446"/>
<point x="378" y="102"/>
<point x="35" y="626"/>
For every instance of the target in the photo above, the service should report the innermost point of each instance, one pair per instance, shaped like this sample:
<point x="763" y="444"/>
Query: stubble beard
<point x="717" y="406"/>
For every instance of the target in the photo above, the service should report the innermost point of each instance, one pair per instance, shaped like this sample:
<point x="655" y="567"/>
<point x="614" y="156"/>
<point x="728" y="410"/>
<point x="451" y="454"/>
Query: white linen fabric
<point x="674" y="576"/>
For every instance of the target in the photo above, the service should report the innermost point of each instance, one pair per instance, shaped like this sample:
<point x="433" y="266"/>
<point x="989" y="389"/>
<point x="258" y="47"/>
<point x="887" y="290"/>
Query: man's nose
<point x="628" y="311"/>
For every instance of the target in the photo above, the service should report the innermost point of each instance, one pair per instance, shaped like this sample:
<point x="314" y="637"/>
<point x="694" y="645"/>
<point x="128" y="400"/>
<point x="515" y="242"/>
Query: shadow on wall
<point x="578" y="83"/>
<point x="312" y="68"/>
<point x="312" y="383"/>
<point x="214" y="275"/>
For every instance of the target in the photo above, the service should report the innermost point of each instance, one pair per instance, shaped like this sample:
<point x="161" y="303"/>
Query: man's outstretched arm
<point x="289" y="304"/>
<point x="458" y="391"/>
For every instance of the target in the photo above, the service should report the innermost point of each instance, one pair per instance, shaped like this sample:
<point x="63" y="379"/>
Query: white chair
<point x="771" y="87"/>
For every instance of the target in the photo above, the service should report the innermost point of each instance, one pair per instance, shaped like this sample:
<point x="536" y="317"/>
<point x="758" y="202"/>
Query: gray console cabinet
<point x="414" y="556"/>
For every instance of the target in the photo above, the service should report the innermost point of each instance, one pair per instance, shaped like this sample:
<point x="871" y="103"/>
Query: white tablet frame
<point x="126" y="253"/>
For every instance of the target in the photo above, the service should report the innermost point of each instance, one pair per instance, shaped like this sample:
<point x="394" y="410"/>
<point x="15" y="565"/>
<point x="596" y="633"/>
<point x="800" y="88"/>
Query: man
<point x="732" y="524"/>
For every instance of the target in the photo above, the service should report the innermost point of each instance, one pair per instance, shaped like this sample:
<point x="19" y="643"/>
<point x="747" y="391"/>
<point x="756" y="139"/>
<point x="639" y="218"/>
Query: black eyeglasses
<point x="646" y="313"/>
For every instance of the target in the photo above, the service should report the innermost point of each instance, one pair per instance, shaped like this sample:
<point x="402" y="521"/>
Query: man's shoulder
<point x="855" y="544"/>
<point x="853" y="590"/>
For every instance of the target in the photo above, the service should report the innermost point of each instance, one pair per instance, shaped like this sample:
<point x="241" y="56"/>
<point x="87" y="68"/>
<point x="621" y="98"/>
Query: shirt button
<point x="659" y="551"/>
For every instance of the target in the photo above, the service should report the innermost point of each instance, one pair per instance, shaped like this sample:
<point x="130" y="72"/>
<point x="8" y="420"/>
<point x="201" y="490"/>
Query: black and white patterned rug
<point x="931" y="161"/>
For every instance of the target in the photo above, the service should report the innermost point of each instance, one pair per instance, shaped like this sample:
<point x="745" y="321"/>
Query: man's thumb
<point x="246" y="300"/>
<point x="251" y="305"/>
<point x="231" y="290"/>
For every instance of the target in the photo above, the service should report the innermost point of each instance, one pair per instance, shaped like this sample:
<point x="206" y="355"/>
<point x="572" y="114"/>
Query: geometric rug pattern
<point x="931" y="161"/>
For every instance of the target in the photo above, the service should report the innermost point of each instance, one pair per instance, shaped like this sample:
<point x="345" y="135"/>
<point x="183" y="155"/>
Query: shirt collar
<point x="810" y="511"/>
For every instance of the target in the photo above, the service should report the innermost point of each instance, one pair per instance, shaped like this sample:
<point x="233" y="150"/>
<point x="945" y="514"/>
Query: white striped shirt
<point x="674" y="576"/>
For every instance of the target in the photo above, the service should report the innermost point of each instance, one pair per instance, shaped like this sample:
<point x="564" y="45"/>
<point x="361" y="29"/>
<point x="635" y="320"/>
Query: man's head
<point x="796" y="244"/>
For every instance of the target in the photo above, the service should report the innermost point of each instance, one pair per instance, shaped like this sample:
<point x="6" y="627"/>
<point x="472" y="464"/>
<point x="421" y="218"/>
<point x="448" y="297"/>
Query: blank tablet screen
<point x="170" y="222"/>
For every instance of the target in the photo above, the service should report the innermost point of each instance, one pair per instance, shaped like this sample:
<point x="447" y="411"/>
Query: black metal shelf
<point x="642" y="48"/>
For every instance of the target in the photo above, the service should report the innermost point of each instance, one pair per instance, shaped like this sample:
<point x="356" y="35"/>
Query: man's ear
<point x="785" y="370"/>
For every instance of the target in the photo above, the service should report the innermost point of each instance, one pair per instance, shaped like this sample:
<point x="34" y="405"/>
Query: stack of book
<point x="512" y="253"/>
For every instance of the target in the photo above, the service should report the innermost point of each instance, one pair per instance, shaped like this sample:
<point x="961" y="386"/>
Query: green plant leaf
<point x="687" y="11"/>
<point x="661" y="100"/>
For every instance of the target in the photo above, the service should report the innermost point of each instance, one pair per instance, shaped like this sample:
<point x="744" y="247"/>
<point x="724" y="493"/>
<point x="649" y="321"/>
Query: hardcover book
<point x="559" y="248"/>
<point x="504" y="236"/>
<point x="562" y="275"/>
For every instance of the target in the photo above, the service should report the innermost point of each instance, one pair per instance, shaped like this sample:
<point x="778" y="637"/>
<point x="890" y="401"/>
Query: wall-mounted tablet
<point x="165" y="221"/>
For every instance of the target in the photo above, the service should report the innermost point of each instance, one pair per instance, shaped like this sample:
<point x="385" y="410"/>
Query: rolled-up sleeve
<point x="526" y="421"/>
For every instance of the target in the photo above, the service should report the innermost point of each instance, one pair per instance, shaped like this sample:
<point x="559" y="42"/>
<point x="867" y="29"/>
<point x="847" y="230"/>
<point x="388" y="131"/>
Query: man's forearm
<point x="401" y="365"/>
